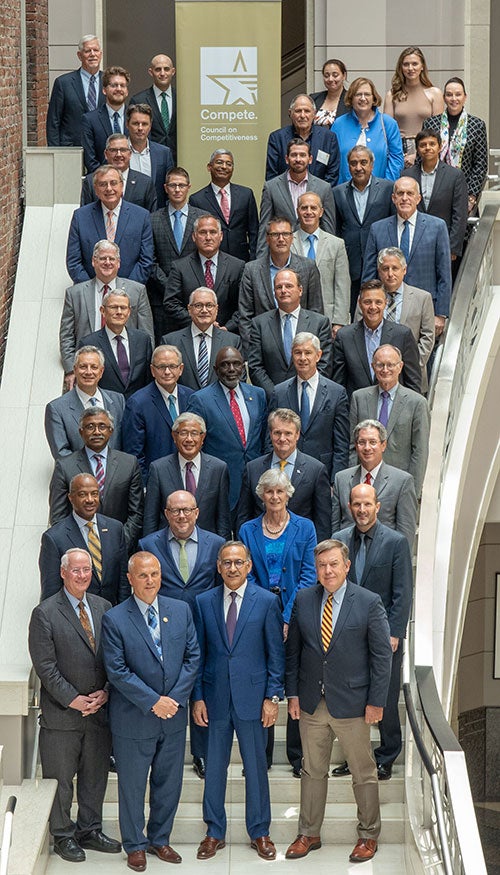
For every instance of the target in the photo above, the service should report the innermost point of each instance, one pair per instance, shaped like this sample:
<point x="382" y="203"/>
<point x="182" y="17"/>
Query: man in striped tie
<point x="338" y="664"/>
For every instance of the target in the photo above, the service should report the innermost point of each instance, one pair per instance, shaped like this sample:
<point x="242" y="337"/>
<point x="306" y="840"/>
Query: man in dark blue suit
<point x="109" y="574"/>
<point x="109" y="119"/>
<point x="151" y="411"/>
<point x="338" y="659"/>
<point x="321" y="404"/>
<point x="381" y="562"/>
<point x="147" y="156"/>
<point x="138" y="188"/>
<point x="238" y="688"/>
<point x="322" y="142"/>
<point x="151" y="657"/>
<point x="164" y="128"/>
<point x="128" y="225"/>
<point x="233" y="205"/>
<point x="74" y="94"/>
<point x="235" y="416"/>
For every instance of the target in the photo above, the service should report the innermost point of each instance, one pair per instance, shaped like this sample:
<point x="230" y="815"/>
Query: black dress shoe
<point x="384" y="771"/>
<point x="340" y="771"/>
<point x="199" y="767"/>
<point x="97" y="841"/>
<point x="297" y="773"/>
<point x="112" y="764"/>
<point x="69" y="849"/>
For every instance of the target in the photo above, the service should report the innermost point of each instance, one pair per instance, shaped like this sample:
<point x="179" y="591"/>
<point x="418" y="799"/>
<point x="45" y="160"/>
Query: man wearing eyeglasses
<point x="151" y="411"/>
<point x="137" y="187"/>
<point x="200" y="342"/>
<point x="188" y="560"/>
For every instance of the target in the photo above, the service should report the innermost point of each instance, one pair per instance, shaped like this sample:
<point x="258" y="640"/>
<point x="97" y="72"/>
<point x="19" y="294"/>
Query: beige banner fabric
<point x="228" y="59"/>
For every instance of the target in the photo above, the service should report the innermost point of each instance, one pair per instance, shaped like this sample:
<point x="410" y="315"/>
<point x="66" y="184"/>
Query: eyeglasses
<point x="176" y="511"/>
<point x="368" y="443"/>
<point x="199" y="307"/>
<point x="96" y="426"/>
<point x="387" y="366"/>
<point x="275" y="234"/>
<point x="164" y="368"/>
<point x="115" y="150"/>
<point x="173" y="185"/>
<point x="185" y="433"/>
<point x="228" y="563"/>
<point x="77" y="572"/>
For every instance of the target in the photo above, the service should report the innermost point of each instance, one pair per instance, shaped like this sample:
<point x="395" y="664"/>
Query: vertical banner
<point x="228" y="60"/>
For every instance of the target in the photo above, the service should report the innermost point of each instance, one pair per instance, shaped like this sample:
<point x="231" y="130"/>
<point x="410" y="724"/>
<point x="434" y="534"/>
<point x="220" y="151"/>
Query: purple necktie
<point x="231" y="619"/>
<point x="384" y="409"/>
<point x="123" y="362"/>
<point x="190" y="481"/>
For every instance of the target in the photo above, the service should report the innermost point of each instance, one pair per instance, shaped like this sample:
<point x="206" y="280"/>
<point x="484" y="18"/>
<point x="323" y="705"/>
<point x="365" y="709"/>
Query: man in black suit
<point x="162" y="99"/>
<point x="188" y="468"/>
<point x="257" y="283"/>
<point x="64" y="645"/>
<point x="200" y="342"/>
<point x="148" y="157"/>
<point x="358" y="203"/>
<point x="74" y="94"/>
<point x="138" y="188"/>
<point x="233" y="205"/>
<point x="108" y="119"/>
<point x="270" y="354"/>
<point x="309" y="477"/>
<point x="127" y="351"/>
<point x="209" y="267"/>
<point x="321" y="404"/>
<point x="118" y="475"/>
<point x="109" y="559"/>
<point x="355" y="344"/>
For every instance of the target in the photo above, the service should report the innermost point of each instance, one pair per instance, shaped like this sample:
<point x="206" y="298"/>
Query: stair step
<point x="30" y="829"/>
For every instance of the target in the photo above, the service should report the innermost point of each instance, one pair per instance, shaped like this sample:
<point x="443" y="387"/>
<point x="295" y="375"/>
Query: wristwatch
<point x="275" y="700"/>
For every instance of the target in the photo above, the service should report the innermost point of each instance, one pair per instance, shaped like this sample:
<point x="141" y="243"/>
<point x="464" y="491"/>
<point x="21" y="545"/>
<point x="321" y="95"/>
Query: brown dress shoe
<point x="209" y="847"/>
<point x="165" y="853"/>
<point x="364" y="849"/>
<point x="137" y="861"/>
<point x="301" y="847"/>
<point x="264" y="847"/>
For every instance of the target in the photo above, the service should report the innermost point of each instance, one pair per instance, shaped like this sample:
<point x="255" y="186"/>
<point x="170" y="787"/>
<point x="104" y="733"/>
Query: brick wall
<point x="37" y="63"/>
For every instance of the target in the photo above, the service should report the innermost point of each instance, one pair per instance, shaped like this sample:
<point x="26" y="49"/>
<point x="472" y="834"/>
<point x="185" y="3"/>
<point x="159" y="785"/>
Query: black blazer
<point x="166" y="250"/>
<point x="187" y="275"/>
<point x="353" y="232"/>
<point x="319" y="98"/>
<point x="141" y="350"/>
<point x="183" y="340"/>
<point x="158" y="133"/>
<point x="138" y="190"/>
<point x="240" y="234"/>
<point x="67" y="107"/>
<point x="96" y="128"/>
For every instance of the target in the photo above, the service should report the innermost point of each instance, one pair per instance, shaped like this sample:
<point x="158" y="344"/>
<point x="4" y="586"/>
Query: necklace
<point x="277" y="531"/>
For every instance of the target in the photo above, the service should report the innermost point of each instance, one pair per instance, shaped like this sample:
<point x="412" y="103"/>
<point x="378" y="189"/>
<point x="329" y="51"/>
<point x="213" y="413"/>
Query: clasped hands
<point x="89" y="704"/>
<point x="165" y="707"/>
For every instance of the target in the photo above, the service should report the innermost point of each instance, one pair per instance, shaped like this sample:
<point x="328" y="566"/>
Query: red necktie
<point x="209" y="280"/>
<point x="235" y="410"/>
<point x="368" y="479"/>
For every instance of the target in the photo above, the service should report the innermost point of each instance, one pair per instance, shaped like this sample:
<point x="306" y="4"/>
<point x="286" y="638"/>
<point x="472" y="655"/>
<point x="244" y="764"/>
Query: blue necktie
<point x="305" y="407"/>
<point x="287" y="337"/>
<point x="171" y="407"/>
<point x="312" y="250"/>
<point x="203" y="361"/>
<point x="359" y="563"/>
<point x="178" y="232"/>
<point x="154" y="628"/>
<point x="383" y="416"/>
<point x="231" y="619"/>
<point x="116" y="123"/>
<point x="91" y="96"/>
<point x="404" y="244"/>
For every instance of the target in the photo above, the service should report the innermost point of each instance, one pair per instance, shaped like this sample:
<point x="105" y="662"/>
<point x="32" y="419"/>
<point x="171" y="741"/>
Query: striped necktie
<point x="91" y="96"/>
<point x="84" y="620"/>
<point x="203" y="361"/>
<point x="94" y="546"/>
<point x="154" y="628"/>
<point x="327" y="623"/>
<point x="99" y="472"/>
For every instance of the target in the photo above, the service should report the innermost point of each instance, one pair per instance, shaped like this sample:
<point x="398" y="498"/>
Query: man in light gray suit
<point x="62" y="416"/>
<point x="81" y="314"/>
<point x="395" y="488"/>
<point x="329" y="253"/>
<point x="279" y="195"/>
<point x="404" y="413"/>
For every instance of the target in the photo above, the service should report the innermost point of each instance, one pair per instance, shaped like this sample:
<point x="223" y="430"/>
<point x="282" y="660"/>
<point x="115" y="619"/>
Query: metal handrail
<point x="7" y="834"/>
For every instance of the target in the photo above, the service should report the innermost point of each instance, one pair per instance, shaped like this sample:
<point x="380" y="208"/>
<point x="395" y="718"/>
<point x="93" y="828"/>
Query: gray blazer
<point x="333" y="265"/>
<point x="277" y="201"/>
<point x="62" y="416"/>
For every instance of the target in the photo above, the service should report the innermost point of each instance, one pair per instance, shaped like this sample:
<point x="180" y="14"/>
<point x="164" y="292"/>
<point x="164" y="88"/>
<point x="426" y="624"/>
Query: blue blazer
<point x="147" y="425"/>
<point x="321" y="140"/>
<point x="204" y="574"/>
<point x="240" y="233"/>
<point x="67" y="107"/>
<point x="298" y="569"/>
<point x="429" y="263"/>
<point x="161" y="161"/>
<point x="384" y="141"/>
<point x="249" y="671"/>
<point x="133" y="235"/>
<point x="223" y="440"/>
<point x="96" y="128"/>
<point x="136" y="673"/>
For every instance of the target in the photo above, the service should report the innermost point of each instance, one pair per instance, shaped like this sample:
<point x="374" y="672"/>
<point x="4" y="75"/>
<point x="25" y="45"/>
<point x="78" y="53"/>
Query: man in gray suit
<point x="62" y="415"/>
<point x="200" y="342"/>
<point x="81" y="310"/>
<point x="329" y="253"/>
<point x="395" y="488"/>
<point x="404" y="413"/>
<point x="279" y="195"/>
<point x="64" y="644"/>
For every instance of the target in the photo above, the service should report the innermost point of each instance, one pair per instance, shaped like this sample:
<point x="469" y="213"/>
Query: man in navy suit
<point x="238" y="688"/>
<point x="321" y="404"/>
<point x="127" y="351"/>
<point x="138" y="188"/>
<point x="150" y="412"/>
<point x="188" y="468"/>
<point x="381" y="562"/>
<point x="235" y="416"/>
<point x="322" y="142"/>
<point x="427" y="252"/>
<point x="151" y="657"/>
<point x="114" y="219"/>
<point x="162" y="99"/>
<point x="338" y="659"/>
<point x="233" y="205"/>
<point x="188" y="558"/>
<point x="108" y="119"/>
<point x="147" y="156"/>
<point x="74" y="94"/>
<point x="109" y="571"/>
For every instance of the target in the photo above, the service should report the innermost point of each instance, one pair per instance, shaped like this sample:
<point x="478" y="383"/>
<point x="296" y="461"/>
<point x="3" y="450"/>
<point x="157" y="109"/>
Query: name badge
<point x="323" y="157"/>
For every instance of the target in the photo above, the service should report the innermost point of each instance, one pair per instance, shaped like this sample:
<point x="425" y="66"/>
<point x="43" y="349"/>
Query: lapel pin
<point x="250" y="398"/>
<point x="104" y="530"/>
<point x="165" y="619"/>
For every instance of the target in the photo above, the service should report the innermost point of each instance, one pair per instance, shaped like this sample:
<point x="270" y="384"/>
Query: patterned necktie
<point x="305" y="408"/>
<point x="235" y="410"/>
<point x="327" y="623"/>
<point x="178" y="233"/>
<point x="368" y="479"/>
<point x="123" y="362"/>
<point x="287" y="337"/>
<point x="203" y="361"/>
<point x="154" y="628"/>
<point x="110" y="226"/>
<point x="165" y="115"/>
<point x="116" y="123"/>
<point x="231" y="619"/>
<point x="183" y="560"/>
<point x="190" y="481"/>
<point x="391" y="308"/>
<point x="224" y="205"/>
<point x="312" y="251"/>
<point x="104" y="291"/>
<point x="99" y="473"/>
<point x="209" y="280"/>
<point x="283" y="464"/>
<point x="94" y="546"/>
<point x="93" y="402"/>
<point x="404" y="243"/>
<point x="172" y="409"/>
<point x="87" y="628"/>
<point x="91" y="96"/>
<point x="383" y="416"/>
<point x="359" y="563"/>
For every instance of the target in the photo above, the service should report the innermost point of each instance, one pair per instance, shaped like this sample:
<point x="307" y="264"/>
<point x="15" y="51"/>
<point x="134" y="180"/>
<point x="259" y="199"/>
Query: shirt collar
<point x="144" y="607"/>
<point x="240" y="591"/>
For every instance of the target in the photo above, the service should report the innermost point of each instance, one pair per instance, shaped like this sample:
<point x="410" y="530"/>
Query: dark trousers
<point x="293" y="744"/>
<point x="390" y="726"/>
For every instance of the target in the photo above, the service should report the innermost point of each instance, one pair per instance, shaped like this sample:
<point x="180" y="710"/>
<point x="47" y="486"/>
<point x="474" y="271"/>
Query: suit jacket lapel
<point x="218" y="609"/>
<point x="138" y="620"/>
<point x="110" y="356"/>
<point x="246" y="608"/>
<point x="372" y="553"/>
<point x="265" y="279"/>
<point x="319" y="403"/>
<point x="398" y="406"/>
<point x="111" y="469"/>
<point x="275" y="325"/>
<point x="343" y="615"/>
<point x="78" y="86"/>
<point x="352" y="205"/>
<point x="359" y="340"/>
<point x="70" y="615"/>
